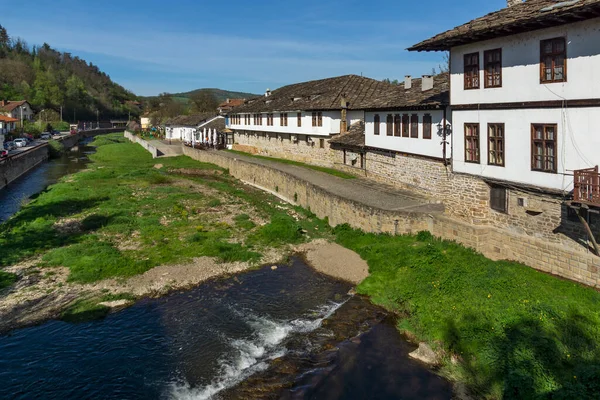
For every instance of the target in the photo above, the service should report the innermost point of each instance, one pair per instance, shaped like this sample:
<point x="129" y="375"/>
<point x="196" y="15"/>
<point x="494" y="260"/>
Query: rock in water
<point x="425" y="354"/>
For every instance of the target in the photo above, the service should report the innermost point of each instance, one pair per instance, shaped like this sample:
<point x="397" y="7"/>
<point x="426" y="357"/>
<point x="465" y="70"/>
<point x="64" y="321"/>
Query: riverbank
<point x="127" y="228"/>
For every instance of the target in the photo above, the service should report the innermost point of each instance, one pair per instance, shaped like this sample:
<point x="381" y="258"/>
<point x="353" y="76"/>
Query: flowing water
<point x="284" y="333"/>
<point x="45" y="174"/>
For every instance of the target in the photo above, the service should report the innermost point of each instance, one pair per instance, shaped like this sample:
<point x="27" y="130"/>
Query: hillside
<point x="219" y="94"/>
<point x="49" y="79"/>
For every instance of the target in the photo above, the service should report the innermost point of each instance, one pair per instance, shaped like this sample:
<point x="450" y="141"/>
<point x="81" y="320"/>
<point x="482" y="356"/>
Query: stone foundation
<point x="491" y="238"/>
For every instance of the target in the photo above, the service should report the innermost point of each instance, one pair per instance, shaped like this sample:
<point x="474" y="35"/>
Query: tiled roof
<point x="354" y="138"/>
<point x="192" y="120"/>
<point x="359" y="92"/>
<point x="524" y="17"/>
<point x="11" y="105"/>
<point x="217" y="123"/>
<point x="232" y="103"/>
<point x="414" y="97"/>
<point x="4" y="118"/>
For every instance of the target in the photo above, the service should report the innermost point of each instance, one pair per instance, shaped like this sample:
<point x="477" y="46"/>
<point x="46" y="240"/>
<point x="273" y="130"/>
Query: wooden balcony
<point x="586" y="187"/>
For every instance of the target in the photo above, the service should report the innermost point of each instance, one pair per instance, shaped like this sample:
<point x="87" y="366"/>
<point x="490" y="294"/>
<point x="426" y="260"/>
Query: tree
<point x="203" y="101"/>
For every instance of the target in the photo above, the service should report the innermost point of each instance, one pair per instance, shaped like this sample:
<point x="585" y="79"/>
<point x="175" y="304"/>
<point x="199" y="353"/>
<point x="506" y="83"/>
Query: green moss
<point x="520" y="333"/>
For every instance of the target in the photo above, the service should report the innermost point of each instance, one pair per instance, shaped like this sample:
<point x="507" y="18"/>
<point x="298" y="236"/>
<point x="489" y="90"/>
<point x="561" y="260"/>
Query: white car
<point x="20" y="142"/>
<point x="46" y="136"/>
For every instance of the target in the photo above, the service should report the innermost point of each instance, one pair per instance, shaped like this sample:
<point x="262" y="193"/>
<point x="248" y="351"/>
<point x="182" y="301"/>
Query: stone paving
<point x="361" y="190"/>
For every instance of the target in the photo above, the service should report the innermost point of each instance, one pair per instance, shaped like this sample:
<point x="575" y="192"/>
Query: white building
<point x="17" y="110"/>
<point x="184" y="127"/>
<point x="525" y="92"/>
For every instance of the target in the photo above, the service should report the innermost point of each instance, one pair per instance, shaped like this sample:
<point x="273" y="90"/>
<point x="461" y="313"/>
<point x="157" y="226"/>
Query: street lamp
<point x="22" y="128"/>
<point x="97" y="119"/>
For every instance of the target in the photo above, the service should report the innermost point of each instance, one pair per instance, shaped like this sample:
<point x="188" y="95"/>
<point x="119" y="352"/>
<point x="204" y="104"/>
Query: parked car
<point x="3" y="153"/>
<point x="20" y="142"/>
<point x="10" y="145"/>
<point x="45" y="136"/>
<point x="56" y="132"/>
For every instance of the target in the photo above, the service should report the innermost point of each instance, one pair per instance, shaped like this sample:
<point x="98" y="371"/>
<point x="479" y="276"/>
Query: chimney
<point x="511" y="3"/>
<point x="427" y="82"/>
<point x="228" y="101"/>
<point x="268" y="92"/>
<point x="344" y="116"/>
<point x="407" y="82"/>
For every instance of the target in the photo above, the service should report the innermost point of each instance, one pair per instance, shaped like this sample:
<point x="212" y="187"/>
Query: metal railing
<point x="587" y="186"/>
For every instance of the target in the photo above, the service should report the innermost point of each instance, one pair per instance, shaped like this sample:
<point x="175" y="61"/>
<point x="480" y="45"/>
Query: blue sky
<point x="179" y="45"/>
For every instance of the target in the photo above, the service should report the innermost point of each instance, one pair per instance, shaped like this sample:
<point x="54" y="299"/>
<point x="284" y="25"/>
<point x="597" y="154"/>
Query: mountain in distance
<point x="219" y="94"/>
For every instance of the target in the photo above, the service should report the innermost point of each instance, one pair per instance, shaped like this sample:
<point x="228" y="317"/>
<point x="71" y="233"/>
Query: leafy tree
<point x="203" y="101"/>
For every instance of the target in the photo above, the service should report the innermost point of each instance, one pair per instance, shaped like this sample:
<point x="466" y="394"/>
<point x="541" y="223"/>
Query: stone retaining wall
<point x="491" y="240"/>
<point x="18" y="164"/>
<point x="136" y="139"/>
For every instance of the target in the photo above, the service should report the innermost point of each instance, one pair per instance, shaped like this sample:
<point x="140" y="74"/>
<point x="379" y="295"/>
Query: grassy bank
<point x="326" y="170"/>
<point x="125" y="215"/>
<point x="518" y="333"/>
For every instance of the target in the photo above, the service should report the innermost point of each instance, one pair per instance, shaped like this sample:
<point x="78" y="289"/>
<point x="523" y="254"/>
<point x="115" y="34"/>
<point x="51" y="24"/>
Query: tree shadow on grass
<point x="530" y="358"/>
<point x="32" y="230"/>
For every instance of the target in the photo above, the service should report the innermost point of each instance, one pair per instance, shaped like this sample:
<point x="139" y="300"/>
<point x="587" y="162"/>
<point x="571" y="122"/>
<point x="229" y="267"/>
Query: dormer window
<point x="471" y="71"/>
<point x="553" y="63"/>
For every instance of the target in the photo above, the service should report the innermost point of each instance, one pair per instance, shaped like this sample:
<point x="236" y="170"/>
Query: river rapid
<point x="288" y="332"/>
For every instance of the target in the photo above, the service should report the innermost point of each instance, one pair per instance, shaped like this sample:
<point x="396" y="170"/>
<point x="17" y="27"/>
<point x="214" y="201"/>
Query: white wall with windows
<point x="330" y="123"/>
<point x="417" y="143"/>
<point x="521" y="67"/>
<point x="577" y="144"/>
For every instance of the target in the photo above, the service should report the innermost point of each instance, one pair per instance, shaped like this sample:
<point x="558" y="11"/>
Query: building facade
<point x="524" y="96"/>
<point x="17" y="110"/>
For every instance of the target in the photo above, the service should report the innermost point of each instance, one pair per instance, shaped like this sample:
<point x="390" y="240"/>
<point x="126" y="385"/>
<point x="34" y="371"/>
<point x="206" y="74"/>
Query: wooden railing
<point x="587" y="186"/>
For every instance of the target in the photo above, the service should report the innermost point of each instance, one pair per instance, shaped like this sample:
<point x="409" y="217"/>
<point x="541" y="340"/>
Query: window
<point x="321" y="143"/>
<point x="376" y="123"/>
<point x="427" y="126"/>
<point x="317" y="119"/>
<point x="414" y="126"/>
<point x="389" y="125"/>
<point x="543" y="147"/>
<point x="472" y="143"/>
<point x="553" y="63"/>
<point x="405" y="126"/>
<point x="472" y="71"/>
<point x="269" y="119"/>
<point x="397" y="125"/>
<point x="492" y="68"/>
<point x="498" y="199"/>
<point x="496" y="144"/>
<point x="284" y="119"/>
<point x="299" y="117"/>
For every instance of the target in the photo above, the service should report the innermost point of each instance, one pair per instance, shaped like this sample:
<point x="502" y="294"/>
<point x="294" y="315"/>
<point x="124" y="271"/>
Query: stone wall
<point x="490" y="239"/>
<point x="283" y="146"/>
<point x="13" y="167"/>
<point x="136" y="139"/>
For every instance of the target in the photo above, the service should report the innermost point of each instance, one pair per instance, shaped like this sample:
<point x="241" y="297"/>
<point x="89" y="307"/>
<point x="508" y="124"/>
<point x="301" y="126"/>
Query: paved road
<point x="361" y="190"/>
<point x="34" y="144"/>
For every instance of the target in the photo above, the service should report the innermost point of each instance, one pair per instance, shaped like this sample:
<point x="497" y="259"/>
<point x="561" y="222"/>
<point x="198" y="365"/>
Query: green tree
<point x="203" y="101"/>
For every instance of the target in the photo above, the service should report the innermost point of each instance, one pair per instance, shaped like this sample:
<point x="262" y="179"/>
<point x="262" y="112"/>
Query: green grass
<point x="7" y="279"/>
<point x="122" y="217"/>
<point x="520" y="334"/>
<point x="326" y="170"/>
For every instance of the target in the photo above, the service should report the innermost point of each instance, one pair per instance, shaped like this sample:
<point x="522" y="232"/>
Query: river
<point x="33" y="182"/>
<point x="259" y="334"/>
<point x="284" y="333"/>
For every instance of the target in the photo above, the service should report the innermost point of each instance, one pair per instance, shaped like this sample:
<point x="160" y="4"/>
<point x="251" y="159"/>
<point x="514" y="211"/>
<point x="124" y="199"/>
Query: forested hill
<point x="49" y="79"/>
<point x="219" y="94"/>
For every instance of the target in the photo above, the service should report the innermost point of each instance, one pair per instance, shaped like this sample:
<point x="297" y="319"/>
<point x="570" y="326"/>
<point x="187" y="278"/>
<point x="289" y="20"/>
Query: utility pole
<point x="60" y="113"/>
<point x="22" y="127"/>
<point x="97" y="119"/>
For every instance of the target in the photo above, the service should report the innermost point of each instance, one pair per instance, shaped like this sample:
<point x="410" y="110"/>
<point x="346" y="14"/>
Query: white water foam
<point x="251" y="355"/>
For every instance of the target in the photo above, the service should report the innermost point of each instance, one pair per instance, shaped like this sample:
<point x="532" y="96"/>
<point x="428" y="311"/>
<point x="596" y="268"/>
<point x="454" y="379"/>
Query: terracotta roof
<point x="524" y="17"/>
<point x="11" y="105"/>
<point x="4" y="118"/>
<point x="354" y="138"/>
<point x="192" y="120"/>
<point x="232" y="103"/>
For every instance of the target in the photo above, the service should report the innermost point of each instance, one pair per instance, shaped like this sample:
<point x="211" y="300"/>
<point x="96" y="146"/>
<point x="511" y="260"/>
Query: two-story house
<point x="297" y="121"/>
<point x="19" y="110"/>
<point x="525" y="98"/>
